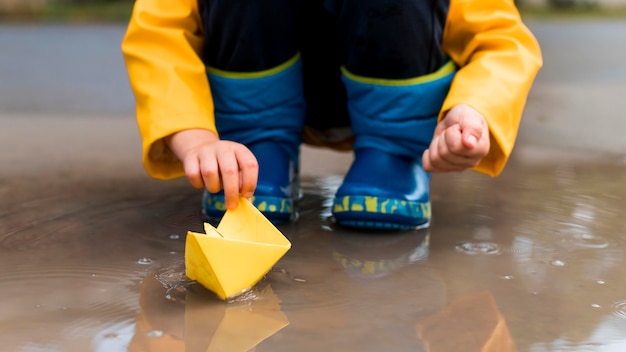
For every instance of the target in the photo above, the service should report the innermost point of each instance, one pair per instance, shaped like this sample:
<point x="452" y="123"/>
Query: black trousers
<point x="391" y="39"/>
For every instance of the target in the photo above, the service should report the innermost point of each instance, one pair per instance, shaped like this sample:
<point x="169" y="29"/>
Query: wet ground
<point x="91" y="249"/>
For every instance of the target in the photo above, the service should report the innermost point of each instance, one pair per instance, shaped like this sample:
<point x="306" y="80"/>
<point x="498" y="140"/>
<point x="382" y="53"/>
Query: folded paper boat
<point x="236" y="255"/>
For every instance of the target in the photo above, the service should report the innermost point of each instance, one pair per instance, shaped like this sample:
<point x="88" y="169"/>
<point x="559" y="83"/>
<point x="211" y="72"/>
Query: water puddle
<point x="539" y="258"/>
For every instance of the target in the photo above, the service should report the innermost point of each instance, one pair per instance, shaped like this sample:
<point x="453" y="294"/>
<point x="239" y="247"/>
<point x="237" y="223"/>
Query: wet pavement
<point x="91" y="249"/>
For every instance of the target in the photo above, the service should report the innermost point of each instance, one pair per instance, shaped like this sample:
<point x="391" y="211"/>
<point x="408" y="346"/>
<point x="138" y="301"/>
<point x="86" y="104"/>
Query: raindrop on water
<point x="172" y="252"/>
<point x="600" y="282"/>
<point x="589" y="240"/>
<point x="174" y="236"/>
<point x="595" y="305"/>
<point x="155" y="333"/>
<point x="619" y="309"/>
<point x="94" y="275"/>
<point x="478" y="248"/>
<point x="144" y="261"/>
<point x="37" y="305"/>
<point x="557" y="262"/>
<point x="507" y="277"/>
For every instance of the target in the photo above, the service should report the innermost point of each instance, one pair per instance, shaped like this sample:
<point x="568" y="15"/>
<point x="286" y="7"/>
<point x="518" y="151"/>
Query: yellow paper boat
<point x="235" y="256"/>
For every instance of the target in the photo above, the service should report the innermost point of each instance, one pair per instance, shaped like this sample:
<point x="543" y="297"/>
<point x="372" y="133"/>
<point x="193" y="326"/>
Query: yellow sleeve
<point x="498" y="58"/>
<point x="161" y="49"/>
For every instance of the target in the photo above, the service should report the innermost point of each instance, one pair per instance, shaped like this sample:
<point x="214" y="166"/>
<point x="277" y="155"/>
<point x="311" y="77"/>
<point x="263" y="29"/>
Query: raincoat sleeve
<point x="161" y="49"/>
<point x="498" y="59"/>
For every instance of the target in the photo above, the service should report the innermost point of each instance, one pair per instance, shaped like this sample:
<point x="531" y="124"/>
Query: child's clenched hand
<point x="215" y="164"/>
<point x="460" y="141"/>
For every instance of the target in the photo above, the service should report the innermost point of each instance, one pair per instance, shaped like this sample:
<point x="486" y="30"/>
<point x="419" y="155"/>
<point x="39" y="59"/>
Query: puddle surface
<point x="533" y="259"/>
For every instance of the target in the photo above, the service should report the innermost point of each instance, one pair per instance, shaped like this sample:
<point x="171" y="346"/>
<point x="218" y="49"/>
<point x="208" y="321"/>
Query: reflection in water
<point x="566" y="255"/>
<point x="376" y="256"/>
<point x="608" y="336"/>
<point x="179" y="315"/>
<point x="473" y="322"/>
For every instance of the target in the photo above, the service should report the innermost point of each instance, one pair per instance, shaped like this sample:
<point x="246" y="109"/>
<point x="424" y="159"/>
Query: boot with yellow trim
<point x="393" y="121"/>
<point x="265" y="111"/>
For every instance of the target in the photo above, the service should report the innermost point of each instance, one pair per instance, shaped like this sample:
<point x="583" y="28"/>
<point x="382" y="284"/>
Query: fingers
<point x="229" y="172"/>
<point x="192" y="171"/>
<point x="239" y="171"/>
<point x="460" y="141"/>
<point x="448" y="153"/>
<point x="249" y="171"/>
<point x="223" y="165"/>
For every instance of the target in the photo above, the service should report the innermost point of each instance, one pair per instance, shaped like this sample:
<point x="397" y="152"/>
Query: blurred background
<point x="118" y="10"/>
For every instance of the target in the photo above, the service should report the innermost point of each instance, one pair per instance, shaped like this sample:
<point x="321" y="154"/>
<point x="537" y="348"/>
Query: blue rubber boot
<point x="392" y="195"/>
<point x="264" y="111"/>
<point x="393" y="122"/>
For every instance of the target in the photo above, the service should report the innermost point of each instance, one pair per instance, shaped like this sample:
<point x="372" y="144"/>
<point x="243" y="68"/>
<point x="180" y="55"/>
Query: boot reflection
<point x="194" y="320"/>
<point x="376" y="255"/>
<point x="471" y="323"/>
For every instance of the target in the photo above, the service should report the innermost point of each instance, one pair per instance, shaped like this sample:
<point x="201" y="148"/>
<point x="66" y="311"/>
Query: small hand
<point x="460" y="141"/>
<point x="215" y="164"/>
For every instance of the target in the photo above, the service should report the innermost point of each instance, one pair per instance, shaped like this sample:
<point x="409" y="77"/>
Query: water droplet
<point x="64" y="308"/>
<point x="507" y="277"/>
<point x="154" y="333"/>
<point x="600" y="282"/>
<point x="172" y="252"/>
<point x="595" y="305"/>
<point x="174" y="236"/>
<point x="37" y="305"/>
<point x="557" y="262"/>
<point x="619" y="309"/>
<point x="478" y="248"/>
<point x="144" y="261"/>
<point x="94" y="275"/>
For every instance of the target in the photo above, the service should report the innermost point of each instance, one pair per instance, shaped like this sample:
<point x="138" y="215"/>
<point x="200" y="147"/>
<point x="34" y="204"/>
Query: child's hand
<point x="215" y="164"/>
<point x="460" y="141"/>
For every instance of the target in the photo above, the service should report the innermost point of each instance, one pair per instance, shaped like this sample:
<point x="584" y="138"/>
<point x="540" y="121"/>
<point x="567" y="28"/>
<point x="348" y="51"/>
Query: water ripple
<point x="619" y="308"/>
<point x="478" y="248"/>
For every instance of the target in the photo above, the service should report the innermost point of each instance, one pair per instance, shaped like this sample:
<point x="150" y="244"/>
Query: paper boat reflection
<point x="237" y="254"/>
<point x="233" y="327"/>
<point x="196" y="322"/>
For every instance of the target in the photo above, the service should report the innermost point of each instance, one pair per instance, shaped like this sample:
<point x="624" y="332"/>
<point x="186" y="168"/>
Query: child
<point x="226" y="92"/>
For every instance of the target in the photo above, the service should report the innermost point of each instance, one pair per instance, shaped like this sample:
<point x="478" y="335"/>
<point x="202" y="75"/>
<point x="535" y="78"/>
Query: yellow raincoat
<point x="497" y="57"/>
